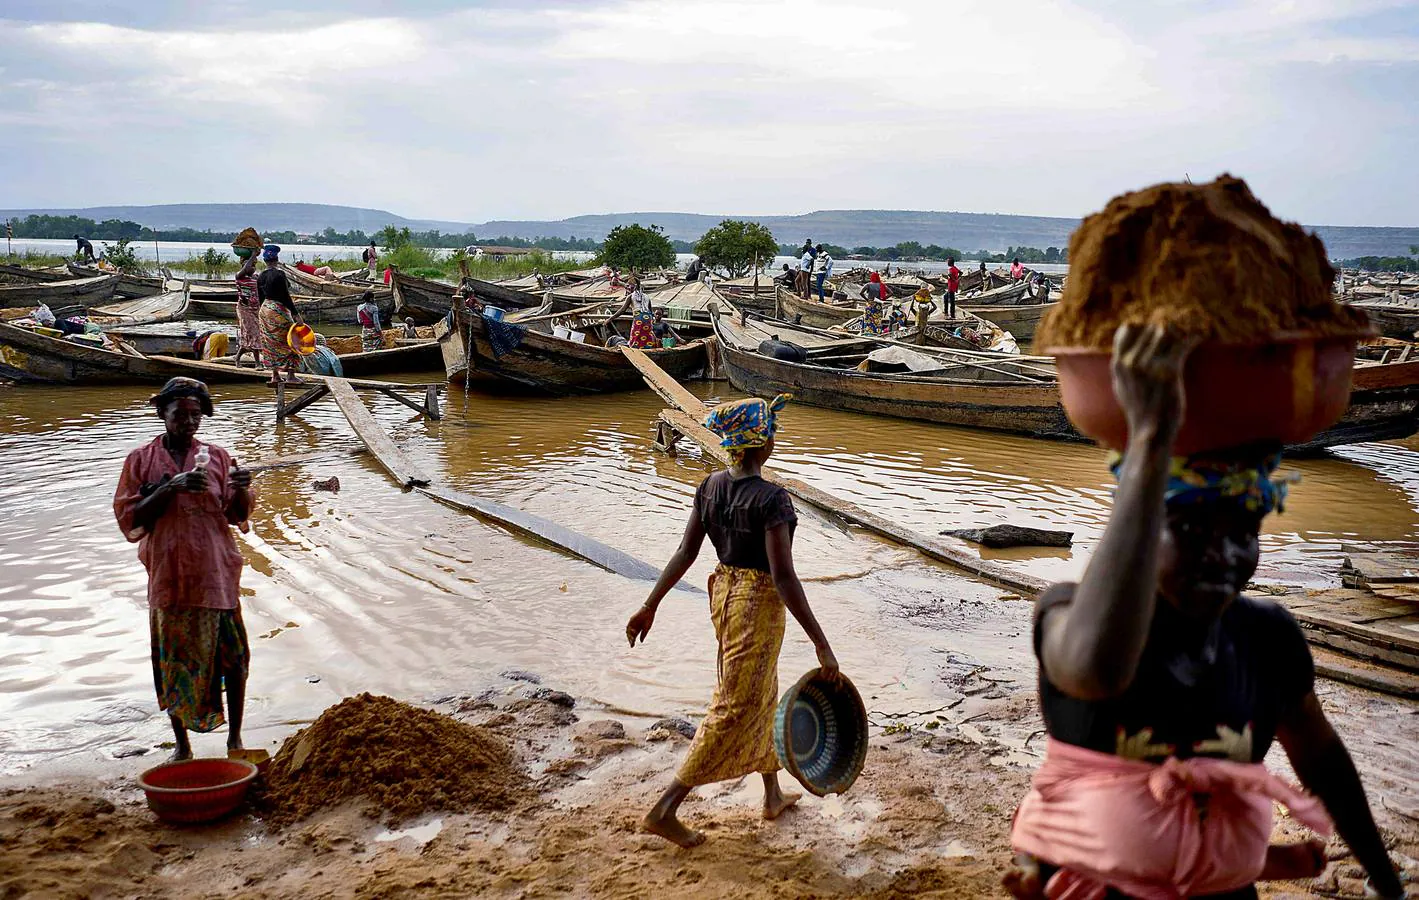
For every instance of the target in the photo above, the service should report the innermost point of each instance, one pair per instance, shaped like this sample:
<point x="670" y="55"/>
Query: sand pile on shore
<point x="1206" y="259"/>
<point x="405" y="761"/>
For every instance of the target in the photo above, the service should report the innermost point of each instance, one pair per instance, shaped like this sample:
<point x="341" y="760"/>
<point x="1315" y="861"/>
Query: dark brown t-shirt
<point x="737" y="512"/>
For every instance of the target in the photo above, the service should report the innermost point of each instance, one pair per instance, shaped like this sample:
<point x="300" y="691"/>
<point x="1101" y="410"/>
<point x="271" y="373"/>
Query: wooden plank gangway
<point x="411" y="477"/>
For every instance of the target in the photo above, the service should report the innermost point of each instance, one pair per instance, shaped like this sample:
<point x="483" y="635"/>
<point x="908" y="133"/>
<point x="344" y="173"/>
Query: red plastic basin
<point x="1289" y="389"/>
<point x="196" y="790"/>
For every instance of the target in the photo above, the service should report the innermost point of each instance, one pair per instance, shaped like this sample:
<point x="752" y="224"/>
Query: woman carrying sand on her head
<point x="178" y="498"/>
<point x="248" y="304"/>
<point x="751" y="524"/>
<point x="1163" y="688"/>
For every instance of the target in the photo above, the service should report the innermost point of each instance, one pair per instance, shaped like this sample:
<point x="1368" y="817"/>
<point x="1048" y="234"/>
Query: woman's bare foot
<point x="672" y="829"/>
<point x="180" y="754"/>
<point x="775" y="806"/>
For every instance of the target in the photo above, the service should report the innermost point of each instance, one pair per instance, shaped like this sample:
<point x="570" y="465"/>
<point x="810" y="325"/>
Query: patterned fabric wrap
<point x="193" y="649"/>
<point x="736" y="737"/>
<point x="642" y="331"/>
<point x="746" y="423"/>
<point x="248" y="306"/>
<point x="275" y="325"/>
<point x="371" y="339"/>
<point x="1247" y="483"/>
<point x="504" y="337"/>
<point x="874" y="318"/>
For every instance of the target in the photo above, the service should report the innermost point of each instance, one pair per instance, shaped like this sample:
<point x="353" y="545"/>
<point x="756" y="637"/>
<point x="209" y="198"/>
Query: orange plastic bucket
<point x="301" y="339"/>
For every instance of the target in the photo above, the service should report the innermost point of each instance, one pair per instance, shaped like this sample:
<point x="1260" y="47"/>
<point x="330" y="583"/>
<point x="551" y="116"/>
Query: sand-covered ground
<point x="929" y="817"/>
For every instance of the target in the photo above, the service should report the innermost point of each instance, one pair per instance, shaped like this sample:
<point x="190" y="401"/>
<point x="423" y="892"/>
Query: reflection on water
<point x="374" y="589"/>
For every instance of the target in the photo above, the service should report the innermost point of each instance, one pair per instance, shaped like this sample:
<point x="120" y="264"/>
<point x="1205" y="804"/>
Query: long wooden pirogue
<point x="540" y="360"/>
<point x="427" y="301"/>
<point x="1013" y="394"/>
<point x="67" y="292"/>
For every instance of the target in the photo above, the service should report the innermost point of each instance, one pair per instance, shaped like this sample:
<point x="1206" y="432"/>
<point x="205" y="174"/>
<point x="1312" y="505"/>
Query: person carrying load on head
<point x="750" y="522"/>
<point x="178" y="499"/>
<point x="248" y="305"/>
<point x="1163" y="688"/>
<point x="278" y="314"/>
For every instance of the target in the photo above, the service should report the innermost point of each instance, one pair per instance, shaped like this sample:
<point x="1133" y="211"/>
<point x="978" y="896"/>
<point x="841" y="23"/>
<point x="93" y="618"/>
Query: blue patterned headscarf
<point x="1246" y="482"/>
<point x="270" y="252"/>
<point x="744" y="424"/>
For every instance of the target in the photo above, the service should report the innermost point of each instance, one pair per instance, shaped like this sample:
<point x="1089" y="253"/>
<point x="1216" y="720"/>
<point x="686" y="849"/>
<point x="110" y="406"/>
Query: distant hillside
<point x="847" y="227"/>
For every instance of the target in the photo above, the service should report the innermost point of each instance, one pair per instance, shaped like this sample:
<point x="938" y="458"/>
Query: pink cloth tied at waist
<point x="1108" y="821"/>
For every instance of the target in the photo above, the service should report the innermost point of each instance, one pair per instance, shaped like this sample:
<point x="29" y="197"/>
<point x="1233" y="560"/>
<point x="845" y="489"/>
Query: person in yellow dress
<point x="750" y="522"/>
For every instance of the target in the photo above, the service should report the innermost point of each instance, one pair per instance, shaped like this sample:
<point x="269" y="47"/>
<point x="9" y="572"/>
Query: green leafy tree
<point x="733" y="246"/>
<point x="637" y="247"/>
<point x="123" y="258"/>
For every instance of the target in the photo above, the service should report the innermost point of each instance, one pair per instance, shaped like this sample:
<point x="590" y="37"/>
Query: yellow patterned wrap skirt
<point x="736" y="737"/>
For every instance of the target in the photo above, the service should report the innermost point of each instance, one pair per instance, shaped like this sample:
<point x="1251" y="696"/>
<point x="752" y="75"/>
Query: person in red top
<point x="177" y="498"/>
<point x="953" y="284"/>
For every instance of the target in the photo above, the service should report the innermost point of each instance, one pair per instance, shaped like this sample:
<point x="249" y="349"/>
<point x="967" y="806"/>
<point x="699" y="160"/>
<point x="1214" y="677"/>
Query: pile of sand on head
<point x="1202" y="259"/>
<point x="402" y="760"/>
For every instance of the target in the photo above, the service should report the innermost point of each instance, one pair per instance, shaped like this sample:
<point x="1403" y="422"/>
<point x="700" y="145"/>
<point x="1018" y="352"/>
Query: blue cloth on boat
<point x="323" y="362"/>
<point x="504" y="337"/>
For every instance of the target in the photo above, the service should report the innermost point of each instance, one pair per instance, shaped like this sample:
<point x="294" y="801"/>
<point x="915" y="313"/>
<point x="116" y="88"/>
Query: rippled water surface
<point x="373" y="589"/>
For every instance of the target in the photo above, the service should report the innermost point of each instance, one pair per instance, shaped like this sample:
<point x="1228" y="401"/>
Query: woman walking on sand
<point x="751" y="523"/>
<point x="278" y="314"/>
<point x="1163" y="688"/>
<point x="178" y="498"/>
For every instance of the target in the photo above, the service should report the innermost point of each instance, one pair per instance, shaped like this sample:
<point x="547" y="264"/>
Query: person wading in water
<point x="1162" y="687"/>
<point x="751" y="523"/>
<point x="178" y="498"/>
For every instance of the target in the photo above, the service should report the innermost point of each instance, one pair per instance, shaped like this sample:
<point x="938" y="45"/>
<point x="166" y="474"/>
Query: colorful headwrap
<point x="1247" y="482"/>
<point x="270" y="252"/>
<point x="180" y="387"/>
<point x="744" y="424"/>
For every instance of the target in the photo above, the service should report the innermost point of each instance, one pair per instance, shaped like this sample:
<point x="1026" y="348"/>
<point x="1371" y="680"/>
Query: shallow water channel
<point x="371" y="589"/>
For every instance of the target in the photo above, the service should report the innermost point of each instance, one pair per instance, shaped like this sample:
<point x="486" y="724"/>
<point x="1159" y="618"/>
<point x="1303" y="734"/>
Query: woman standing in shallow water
<point x="751" y="523"/>
<point x="180" y="512"/>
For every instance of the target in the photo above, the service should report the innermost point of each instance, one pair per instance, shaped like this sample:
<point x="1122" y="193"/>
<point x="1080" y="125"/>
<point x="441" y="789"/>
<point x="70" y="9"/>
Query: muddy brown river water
<point x="373" y="589"/>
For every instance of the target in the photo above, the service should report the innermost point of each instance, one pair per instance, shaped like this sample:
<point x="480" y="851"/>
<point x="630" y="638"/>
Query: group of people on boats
<point x="1162" y="687"/>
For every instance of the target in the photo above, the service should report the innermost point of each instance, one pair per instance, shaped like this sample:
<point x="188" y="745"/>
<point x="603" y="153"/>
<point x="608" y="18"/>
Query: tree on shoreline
<point x="637" y="247"/>
<point x="733" y="246"/>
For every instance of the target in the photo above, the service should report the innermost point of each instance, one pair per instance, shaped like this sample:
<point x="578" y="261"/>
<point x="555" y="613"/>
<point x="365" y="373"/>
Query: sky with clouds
<point x="474" y="111"/>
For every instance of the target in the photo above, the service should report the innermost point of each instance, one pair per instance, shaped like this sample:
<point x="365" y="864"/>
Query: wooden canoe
<point x="992" y="397"/>
<point x="166" y="307"/>
<point x="25" y="275"/>
<point x="27" y="355"/>
<point x="548" y="364"/>
<point x="129" y="286"/>
<point x="1021" y="320"/>
<point x="1384" y="399"/>
<point x="83" y="292"/>
<point x="427" y="301"/>
<point x="311" y="286"/>
<point x="1393" y="320"/>
<point x="220" y="304"/>
<point x="815" y="314"/>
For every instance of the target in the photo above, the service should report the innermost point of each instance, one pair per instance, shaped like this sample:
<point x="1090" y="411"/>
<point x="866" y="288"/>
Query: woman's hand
<point x="1022" y="881"/>
<point x="639" y="625"/>
<point x="241" y="478"/>
<point x="190" y="482"/>
<point x="1147" y="370"/>
<point x="828" y="663"/>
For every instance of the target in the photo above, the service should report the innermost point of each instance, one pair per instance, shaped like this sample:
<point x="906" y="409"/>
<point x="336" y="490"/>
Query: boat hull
<point x="553" y="365"/>
<point x="59" y="294"/>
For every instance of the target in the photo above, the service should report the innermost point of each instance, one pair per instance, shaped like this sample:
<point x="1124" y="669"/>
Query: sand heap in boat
<point x="402" y="760"/>
<point x="1205" y="259"/>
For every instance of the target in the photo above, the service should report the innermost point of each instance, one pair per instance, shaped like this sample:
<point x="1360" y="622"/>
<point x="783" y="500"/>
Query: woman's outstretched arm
<point x="675" y="569"/>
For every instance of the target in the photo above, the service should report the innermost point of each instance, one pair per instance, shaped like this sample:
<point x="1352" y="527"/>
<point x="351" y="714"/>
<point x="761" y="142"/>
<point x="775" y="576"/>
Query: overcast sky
<point x="474" y="111"/>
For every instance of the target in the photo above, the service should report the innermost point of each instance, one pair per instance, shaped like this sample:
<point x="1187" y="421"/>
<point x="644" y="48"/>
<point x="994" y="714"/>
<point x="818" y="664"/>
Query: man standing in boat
<point x="825" y="269"/>
<point x="805" y="269"/>
<point x="84" y="249"/>
<point x="953" y="284"/>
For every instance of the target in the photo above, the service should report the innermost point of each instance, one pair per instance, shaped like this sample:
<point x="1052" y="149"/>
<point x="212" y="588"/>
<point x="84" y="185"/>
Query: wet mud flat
<point x="930" y="816"/>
